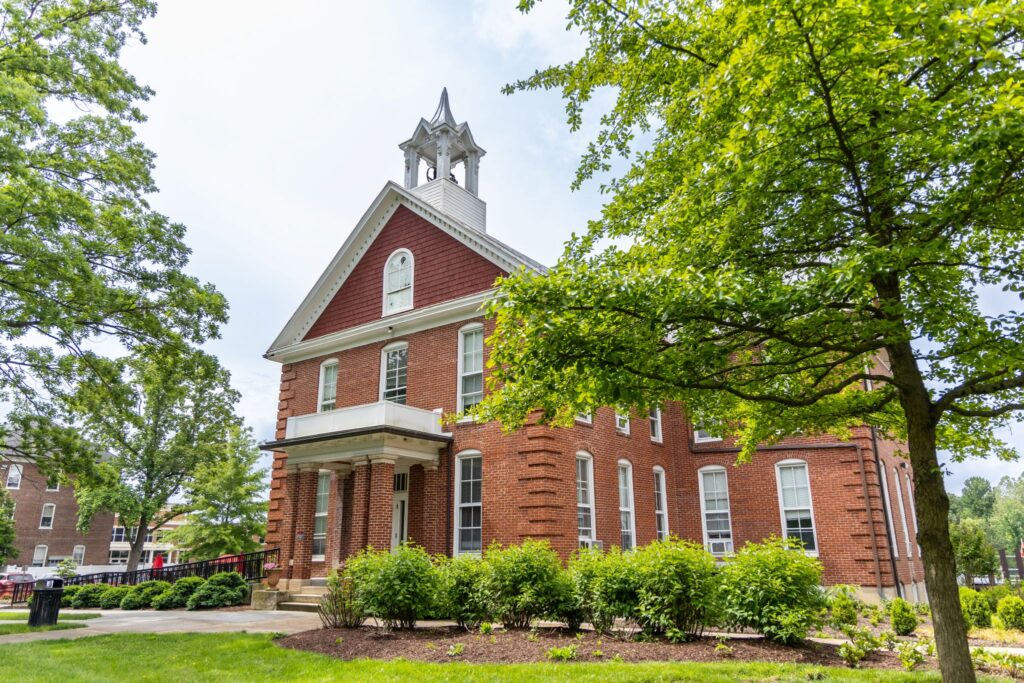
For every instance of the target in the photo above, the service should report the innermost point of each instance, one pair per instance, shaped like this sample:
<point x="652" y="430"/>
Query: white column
<point x="412" y="168"/>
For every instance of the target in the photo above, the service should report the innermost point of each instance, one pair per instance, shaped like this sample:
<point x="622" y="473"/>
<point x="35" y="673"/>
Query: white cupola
<point x="444" y="144"/>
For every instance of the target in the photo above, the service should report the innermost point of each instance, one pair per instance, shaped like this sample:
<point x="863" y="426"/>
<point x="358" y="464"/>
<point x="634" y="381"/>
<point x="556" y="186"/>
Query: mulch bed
<point x="508" y="647"/>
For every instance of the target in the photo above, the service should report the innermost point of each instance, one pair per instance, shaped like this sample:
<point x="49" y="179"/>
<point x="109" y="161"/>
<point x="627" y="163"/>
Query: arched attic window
<point x="398" y="278"/>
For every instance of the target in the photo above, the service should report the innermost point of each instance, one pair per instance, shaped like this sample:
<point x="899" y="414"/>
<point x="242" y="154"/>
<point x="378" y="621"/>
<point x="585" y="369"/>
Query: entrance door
<point x="400" y="510"/>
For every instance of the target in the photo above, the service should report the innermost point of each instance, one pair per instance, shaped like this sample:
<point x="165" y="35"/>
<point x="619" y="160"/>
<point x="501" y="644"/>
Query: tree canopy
<point x="83" y="257"/>
<point x="8" y="548"/>
<point x="227" y="503"/>
<point x="821" y="195"/>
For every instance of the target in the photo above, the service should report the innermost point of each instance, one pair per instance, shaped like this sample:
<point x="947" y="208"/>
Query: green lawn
<point x="253" y="658"/>
<point x="64" y="616"/>
<point x="8" y="628"/>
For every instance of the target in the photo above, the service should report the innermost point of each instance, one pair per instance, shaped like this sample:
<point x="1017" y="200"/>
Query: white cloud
<point x="541" y="31"/>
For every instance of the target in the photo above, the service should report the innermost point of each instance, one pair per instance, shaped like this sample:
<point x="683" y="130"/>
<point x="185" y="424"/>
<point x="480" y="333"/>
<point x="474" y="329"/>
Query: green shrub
<point x="862" y="644"/>
<point x="89" y="595"/>
<point x="338" y="608"/>
<point x="1011" y="612"/>
<point x="902" y="617"/>
<point x="461" y="592"/>
<point x="68" y="596"/>
<point x="563" y="654"/>
<point x="522" y="581"/>
<point x="977" y="612"/>
<point x="397" y="587"/>
<point x="178" y="594"/>
<point x="142" y="594"/>
<point x="211" y="596"/>
<point x="111" y="598"/>
<point x="678" y="588"/>
<point x="567" y="606"/>
<point x="842" y="607"/>
<point x="605" y="586"/>
<point x="774" y="588"/>
<point x="997" y="593"/>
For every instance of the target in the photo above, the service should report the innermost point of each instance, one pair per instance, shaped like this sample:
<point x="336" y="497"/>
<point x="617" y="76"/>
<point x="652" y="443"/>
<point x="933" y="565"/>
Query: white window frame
<point x="42" y="515"/>
<point x="56" y="484"/>
<point x="630" y="507"/>
<point x="463" y="332"/>
<point x="582" y="457"/>
<point x="78" y="555"/>
<point x="323" y="490"/>
<point x="412" y="282"/>
<point x="654" y="420"/>
<point x="459" y="504"/>
<point x="707" y="438"/>
<point x="122" y="556"/>
<point x="888" y="512"/>
<point x="714" y="469"/>
<point x="397" y="346"/>
<point x="903" y="512"/>
<point x="11" y="469"/>
<point x="325" y="367"/>
<point x="622" y="423"/>
<point x="810" y="501"/>
<point x="913" y="511"/>
<point x="583" y="418"/>
<point x="35" y="553"/>
<point x="114" y="535"/>
<point x="660" y="500"/>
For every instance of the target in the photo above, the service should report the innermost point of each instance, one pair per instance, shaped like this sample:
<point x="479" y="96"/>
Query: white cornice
<point x="416" y="320"/>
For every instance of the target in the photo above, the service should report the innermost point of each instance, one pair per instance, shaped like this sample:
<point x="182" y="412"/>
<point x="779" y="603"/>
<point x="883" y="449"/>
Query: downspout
<point x="450" y="498"/>
<point x="871" y="519"/>
<point x="890" y="533"/>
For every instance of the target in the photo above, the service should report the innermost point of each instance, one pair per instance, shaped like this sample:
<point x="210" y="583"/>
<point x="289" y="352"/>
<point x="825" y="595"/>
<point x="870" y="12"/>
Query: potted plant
<point x="273" y="574"/>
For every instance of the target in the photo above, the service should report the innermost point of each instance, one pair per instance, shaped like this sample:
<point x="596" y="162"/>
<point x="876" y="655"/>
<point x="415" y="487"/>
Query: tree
<point x="977" y="499"/>
<point x="975" y="556"/>
<point x="8" y="549"/>
<point x="228" y="503"/>
<point x="1007" y="522"/>
<point x="159" y="420"/>
<point x="82" y="256"/>
<point x="821" y="193"/>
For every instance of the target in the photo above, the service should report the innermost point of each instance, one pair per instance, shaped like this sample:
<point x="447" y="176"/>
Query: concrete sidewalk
<point x="150" y="621"/>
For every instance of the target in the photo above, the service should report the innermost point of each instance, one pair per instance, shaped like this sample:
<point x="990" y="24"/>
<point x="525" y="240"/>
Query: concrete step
<point x="297" y="606"/>
<point x="311" y="598"/>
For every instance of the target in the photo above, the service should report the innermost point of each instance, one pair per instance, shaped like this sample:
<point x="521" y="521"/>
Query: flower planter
<point x="273" y="576"/>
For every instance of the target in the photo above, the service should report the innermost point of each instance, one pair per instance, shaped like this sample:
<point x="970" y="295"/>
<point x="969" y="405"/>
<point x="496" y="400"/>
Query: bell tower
<point x="443" y="144"/>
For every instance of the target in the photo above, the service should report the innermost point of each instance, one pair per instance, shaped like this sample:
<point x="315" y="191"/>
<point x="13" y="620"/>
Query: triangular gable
<point x="361" y="240"/>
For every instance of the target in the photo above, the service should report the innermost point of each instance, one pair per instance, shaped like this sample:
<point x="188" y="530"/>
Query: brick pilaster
<point x="435" y="517"/>
<point x="382" y="493"/>
<point x="416" y="516"/>
<point x="289" y="510"/>
<point x="306" y="508"/>
<point x="347" y="487"/>
<point x="360" y="507"/>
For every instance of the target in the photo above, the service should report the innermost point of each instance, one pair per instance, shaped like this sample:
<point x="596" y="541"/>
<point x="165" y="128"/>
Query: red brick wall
<point x="444" y="269"/>
<point x="64" y="536"/>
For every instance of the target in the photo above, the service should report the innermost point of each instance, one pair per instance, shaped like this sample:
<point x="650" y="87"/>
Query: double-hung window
<point x="884" y="478"/>
<point x="323" y="495"/>
<point x="622" y="423"/>
<point x="398" y="279"/>
<point x="394" y="366"/>
<point x="52" y="483"/>
<point x="118" y="557"/>
<point x="627" y="524"/>
<point x="585" y="499"/>
<point x="660" y="504"/>
<point x="701" y="435"/>
<point x="714" y="508"/>
<point x="655" y="421"/>
<point x="469" y="503"/>
<point x="14" y="472"/>
<point x="118" y="535"/>
<point x="46" y="519"/>
<point x="328" y="386"/>
<point x="78" y="554"/>
<point x="903" y="512"/>
<point x="39" y="556"/>
<point x="471" y="366"/>
<point x="795" y="503"/>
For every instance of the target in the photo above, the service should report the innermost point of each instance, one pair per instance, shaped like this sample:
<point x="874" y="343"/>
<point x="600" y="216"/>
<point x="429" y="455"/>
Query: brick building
<point x="45" y="519"/>
<point x="391" y="336"/>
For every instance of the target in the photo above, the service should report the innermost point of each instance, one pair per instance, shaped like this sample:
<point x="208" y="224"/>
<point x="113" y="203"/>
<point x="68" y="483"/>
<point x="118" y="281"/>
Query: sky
<point x="276" y="124"/>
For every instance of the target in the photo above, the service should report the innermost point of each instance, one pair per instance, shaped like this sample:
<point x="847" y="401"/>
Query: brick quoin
<point x="529" y="486"/>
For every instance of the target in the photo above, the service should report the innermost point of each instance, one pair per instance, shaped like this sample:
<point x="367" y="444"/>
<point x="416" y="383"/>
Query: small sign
<point x="300" y="536"/>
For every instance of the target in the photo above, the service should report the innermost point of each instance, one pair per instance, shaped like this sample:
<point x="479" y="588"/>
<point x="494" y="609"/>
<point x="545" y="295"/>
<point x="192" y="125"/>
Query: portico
<point x="361" y="475"/>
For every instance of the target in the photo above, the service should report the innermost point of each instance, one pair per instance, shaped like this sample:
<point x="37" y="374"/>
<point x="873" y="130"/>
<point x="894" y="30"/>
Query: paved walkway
<point x="149" y="621"/>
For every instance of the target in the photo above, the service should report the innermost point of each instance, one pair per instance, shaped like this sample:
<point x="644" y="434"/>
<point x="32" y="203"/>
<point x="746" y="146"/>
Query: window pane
<point x="626" y="521"/>
<point x="329" y="390"/>
<point x="395" y="375"/>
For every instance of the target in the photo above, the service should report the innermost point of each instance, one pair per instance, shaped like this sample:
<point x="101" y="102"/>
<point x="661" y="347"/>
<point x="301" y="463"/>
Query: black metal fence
<point x="249" y="565"/>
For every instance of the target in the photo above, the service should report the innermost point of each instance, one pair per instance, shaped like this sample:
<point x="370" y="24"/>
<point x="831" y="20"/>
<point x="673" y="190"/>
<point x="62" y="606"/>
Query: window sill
<point x="659" y="442"/>
<point x="621" y="432"/>
<point x="388" y="314"/>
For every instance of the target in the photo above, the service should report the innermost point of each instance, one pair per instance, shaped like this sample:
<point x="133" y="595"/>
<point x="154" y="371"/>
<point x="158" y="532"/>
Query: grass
<point x="64" y="616"/>
<point x="7" y="629"/>
<point x="254" y="658"/>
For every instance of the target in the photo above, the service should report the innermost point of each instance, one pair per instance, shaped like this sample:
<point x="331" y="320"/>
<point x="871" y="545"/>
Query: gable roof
<point x="362" y="236"/>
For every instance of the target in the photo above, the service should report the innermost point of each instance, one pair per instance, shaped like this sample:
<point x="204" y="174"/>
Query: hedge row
<point x="672" y="588"/>
<point x="1003" y="602"/>
<point x="193" y="592"/>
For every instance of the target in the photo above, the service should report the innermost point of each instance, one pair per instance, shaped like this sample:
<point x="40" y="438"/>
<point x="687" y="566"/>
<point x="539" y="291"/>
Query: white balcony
<point x="383" y="414"/>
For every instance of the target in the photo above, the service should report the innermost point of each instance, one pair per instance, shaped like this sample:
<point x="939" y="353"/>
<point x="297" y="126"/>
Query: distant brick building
<point x="45" y="519"/>
<point x="392" y="335"/>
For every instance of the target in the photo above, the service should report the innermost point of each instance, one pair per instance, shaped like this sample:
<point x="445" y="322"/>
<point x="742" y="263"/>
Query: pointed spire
<point x="444" y="111"/>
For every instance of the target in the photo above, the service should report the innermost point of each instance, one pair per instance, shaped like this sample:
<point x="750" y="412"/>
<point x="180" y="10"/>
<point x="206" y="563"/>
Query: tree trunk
<point x="136" y="545"/>
<point x="932" y="506"/>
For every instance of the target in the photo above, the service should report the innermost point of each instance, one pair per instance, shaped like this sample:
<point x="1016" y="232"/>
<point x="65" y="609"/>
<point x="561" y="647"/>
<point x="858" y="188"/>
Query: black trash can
<point x="46" y="602"/>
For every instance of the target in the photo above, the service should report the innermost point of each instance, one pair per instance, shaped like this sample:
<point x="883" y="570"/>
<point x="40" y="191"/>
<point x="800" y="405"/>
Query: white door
<point x="400" y="510"/>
